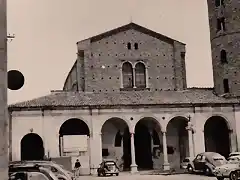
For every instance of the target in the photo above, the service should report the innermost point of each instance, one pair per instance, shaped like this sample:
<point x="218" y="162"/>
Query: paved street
<point x="152" y="177"/>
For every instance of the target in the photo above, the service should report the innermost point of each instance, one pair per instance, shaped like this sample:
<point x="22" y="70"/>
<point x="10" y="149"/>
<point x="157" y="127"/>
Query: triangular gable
<point x="128" y="27"/>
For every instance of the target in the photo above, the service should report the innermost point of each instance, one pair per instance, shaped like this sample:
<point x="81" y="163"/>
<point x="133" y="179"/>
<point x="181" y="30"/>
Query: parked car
<point x="57" y="169"/>
<point x="108" y="167"/>
<point x="206" y="162"/>
<point x="31" y="172"/>
<point x="230" y="170"/>
<point x="185" y="162"/>
<point x="234" y="154"/>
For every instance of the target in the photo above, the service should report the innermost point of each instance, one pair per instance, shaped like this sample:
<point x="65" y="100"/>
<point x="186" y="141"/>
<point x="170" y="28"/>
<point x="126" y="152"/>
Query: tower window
<point x="136" y="46"/>
<point x="223" y="56"/>
<point x="221" y="24"/>
<point x="129" y="45"/>
<point x="219" y="3"/>
<point x="226" y="85"/>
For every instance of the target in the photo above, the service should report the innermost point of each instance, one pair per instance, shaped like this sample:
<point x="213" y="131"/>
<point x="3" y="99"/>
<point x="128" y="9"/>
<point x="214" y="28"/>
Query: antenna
<point x="10" y="37"/>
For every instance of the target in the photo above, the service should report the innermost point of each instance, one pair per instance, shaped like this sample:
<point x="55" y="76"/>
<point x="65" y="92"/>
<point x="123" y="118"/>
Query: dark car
<point x="108" y="167"/>
<point x="30" y="172"/>
<point x="57" y="169"/>
<point x="206" y="162"/>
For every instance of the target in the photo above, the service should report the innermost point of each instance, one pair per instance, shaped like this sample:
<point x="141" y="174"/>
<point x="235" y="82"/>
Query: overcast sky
<point x="46" y="31"/>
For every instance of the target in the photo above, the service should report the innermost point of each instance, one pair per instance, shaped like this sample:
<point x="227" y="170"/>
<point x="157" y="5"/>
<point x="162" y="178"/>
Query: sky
<point x="46" y="32"/>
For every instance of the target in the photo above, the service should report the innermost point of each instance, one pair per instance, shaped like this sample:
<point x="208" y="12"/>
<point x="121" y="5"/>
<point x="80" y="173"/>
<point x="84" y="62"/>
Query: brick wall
<point x="166" y="67"/>
<point x="228" y="40"/>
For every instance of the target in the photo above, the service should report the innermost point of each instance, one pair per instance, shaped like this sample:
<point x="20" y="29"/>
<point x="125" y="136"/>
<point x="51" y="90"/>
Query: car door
<point x="198" y="162"/>
<point x="37" y="176"/>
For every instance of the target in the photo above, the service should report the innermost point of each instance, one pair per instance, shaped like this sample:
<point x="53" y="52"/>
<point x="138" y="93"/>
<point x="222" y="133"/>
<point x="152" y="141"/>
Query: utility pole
<point x="3" y="92"/>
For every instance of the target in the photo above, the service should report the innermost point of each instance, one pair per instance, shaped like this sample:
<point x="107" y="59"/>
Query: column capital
<point x="164" y="131"/>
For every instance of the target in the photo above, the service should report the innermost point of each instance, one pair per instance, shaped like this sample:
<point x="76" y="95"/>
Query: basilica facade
<point x="127" y="94"/>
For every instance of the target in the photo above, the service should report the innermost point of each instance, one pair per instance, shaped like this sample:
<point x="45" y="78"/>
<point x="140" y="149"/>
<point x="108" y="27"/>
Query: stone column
<point x="61" y="146"/>
<point x="190" y="139"/>
<point x="166" y="165"/>
<point x="133" y="165"/>
<point x="146" y="73"/>
<point x="95" y="151"/>
<point x="134" y="78"/>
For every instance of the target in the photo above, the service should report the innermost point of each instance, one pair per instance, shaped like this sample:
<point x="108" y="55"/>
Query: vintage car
<point x="185" y="162"/>
<point x="234" y="154"/>
<point x="206" y="162"/>
<point x="31" y="172"/>
<point x="57" y="169"/>
<point x="108" y="167"/>
<point x="230" y="170"/>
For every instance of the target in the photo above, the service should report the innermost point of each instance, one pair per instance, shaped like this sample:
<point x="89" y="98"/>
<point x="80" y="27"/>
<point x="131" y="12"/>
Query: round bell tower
<point x="224" y="22"/>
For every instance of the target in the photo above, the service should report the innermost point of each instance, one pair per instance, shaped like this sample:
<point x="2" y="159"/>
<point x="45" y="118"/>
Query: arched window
<point x="136" y="46"/>
<point x="140" y="75"/>
<point x="127" y="73"/>
<point x="223" y="56"/>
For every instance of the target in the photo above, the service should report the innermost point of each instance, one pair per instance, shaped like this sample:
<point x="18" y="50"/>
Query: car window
<point x="234" y="154"/>
<point x="199" y="157"/>
<point x="37" y="176"/>
<point x="186" y="160"/>
<point x="18" y="176"/>
<point x="204" y="158"/>
<point x="53" y="169"/>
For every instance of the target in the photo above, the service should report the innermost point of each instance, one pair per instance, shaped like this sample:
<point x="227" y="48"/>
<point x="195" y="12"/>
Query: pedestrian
<point x="77" y="168"/>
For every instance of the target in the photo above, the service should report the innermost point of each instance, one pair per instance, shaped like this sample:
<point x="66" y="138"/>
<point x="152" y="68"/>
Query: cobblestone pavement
<point x="127" y="176"/>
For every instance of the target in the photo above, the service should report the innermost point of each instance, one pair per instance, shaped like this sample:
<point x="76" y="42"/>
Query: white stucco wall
<point x="47" y="124"/>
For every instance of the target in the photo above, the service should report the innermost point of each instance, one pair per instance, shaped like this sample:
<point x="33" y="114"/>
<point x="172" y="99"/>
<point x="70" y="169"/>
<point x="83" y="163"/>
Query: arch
<point x="127" y="73"/>
<point x="116" y="140"/>
<point x="178" y="148"/>
<point x="74" y="126"/>
<point x="145" y="138"/>
<point x="217" y="135"/>
<point x="32" y="147"/>
<point x="140" y="75"/>
<point x="151" y="119"/>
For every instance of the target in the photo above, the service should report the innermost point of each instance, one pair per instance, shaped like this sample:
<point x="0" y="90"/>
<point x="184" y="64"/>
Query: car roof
<point x="210" y="154"/>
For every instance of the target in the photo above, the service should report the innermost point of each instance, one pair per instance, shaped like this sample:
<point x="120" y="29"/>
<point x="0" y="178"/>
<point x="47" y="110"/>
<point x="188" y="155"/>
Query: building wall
<point x="228" y="40"/>
<point x="47" y="125"/>
<point x="159" y="56"/>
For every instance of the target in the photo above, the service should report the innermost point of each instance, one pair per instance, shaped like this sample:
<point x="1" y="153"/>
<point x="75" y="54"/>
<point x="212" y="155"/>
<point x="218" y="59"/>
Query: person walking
<point x="77" y="168"/>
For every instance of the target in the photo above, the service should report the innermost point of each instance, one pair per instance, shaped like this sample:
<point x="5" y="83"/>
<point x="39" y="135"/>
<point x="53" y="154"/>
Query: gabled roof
<point x="131" y="26"/>
<point x="126" y="98"/>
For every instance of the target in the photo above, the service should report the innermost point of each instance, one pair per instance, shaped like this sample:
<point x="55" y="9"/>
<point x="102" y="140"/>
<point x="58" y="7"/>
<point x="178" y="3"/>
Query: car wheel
<point x="220" y="178"/>
<point x="233" y="175"/>
<point x="98" y="174"/>
<point x="117" y="174"/>
<point x="207" y="171"/>
<point x="190" y="169"/>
